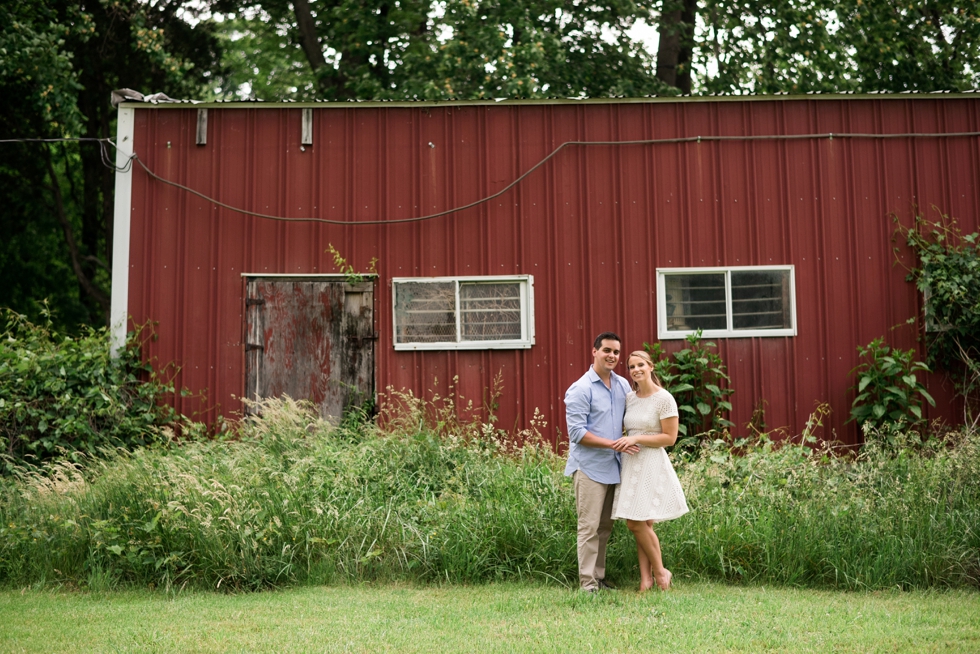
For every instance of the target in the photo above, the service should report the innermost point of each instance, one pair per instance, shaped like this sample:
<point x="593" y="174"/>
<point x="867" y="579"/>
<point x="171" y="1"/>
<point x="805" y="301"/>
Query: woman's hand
<point x="626" y="444"/>
<point x="664" y="439"/>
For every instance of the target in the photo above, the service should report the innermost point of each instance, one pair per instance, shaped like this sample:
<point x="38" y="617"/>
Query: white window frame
<point x="729" y="332"/>
<point x="526" y="286"/>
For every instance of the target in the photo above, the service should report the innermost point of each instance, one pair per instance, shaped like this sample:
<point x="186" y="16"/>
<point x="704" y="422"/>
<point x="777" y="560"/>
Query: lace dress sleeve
<point x="666" y="405"/>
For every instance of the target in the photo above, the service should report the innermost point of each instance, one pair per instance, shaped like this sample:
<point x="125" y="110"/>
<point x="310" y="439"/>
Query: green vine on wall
<point x="948" y="275"/>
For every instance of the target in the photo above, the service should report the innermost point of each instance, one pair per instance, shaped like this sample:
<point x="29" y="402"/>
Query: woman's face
<point x="639" y="369"/>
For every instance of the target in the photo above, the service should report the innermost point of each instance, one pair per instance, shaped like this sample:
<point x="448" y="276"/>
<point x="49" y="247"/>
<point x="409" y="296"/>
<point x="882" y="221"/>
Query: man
<point x="594" y="409"/>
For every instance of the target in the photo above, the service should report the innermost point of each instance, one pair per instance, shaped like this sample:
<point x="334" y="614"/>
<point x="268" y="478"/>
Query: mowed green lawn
<point x="502" y="618"/>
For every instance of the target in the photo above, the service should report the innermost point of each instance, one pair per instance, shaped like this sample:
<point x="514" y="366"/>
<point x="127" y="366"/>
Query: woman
<point x="649" y="491"/>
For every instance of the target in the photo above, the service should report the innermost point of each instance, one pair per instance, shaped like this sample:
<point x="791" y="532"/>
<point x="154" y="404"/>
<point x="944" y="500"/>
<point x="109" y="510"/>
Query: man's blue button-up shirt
<point x="590" y="406"/>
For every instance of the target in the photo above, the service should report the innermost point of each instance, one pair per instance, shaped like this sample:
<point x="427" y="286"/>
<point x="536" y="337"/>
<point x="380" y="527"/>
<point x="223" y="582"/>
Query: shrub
<point x="887" y="389"/>
<point x="67" y="396"/>
<point x="696" y="377"/>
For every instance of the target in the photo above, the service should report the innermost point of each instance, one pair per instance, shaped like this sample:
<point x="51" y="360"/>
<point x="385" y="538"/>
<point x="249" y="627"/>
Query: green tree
<point x="421" y="49"/>
<point x="59" y="62"/>
<point x="798" y="46"/>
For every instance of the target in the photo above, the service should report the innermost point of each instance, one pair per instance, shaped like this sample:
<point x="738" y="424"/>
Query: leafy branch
<point x="948" y="275"/>
<point x="347" y="270"/>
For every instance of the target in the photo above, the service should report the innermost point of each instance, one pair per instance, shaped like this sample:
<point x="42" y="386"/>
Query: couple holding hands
<point x="616" y="476"/>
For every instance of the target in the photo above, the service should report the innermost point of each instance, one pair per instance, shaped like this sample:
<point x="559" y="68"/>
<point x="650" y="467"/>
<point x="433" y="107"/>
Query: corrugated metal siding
<point x="592" y="226"/>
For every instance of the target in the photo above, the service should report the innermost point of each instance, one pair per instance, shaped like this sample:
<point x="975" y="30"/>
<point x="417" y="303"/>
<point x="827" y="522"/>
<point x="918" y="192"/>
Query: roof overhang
<point x="683" y="99"/>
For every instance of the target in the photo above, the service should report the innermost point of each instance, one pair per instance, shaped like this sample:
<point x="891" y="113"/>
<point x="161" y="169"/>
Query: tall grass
<point x="903" y="516"/>
<point x="431" y="498"/>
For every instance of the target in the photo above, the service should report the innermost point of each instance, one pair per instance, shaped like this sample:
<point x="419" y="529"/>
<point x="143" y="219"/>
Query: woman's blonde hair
<point x="642" y="354"/>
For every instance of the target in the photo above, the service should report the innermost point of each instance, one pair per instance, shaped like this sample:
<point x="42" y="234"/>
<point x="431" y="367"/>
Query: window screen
<point x="760" y="299"/>
<point x="426" y="312"/>
<point x="490" y="312"/>
<point x="696" y="302"/>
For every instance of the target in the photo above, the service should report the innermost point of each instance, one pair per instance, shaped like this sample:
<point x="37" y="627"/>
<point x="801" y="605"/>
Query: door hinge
<point x="253" y="346"/>
<point x="373" y="337"/>
<point x="252" y="301"/>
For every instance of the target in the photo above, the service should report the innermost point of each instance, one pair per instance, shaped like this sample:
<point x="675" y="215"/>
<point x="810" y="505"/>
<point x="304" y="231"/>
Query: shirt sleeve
<point x="576" y="412"/>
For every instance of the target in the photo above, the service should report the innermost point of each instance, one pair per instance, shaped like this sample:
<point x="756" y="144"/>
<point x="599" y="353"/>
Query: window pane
<point x="696" y="302"/>
<point x="760" y="299"/>
<point x="425" y="313"/>
<point x="490" y="312"/>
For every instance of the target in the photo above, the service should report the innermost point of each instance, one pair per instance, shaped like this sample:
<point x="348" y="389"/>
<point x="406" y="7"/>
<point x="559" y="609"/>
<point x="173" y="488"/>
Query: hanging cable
<point x="688" y="139"/>
<point x="552" y="154"/>
<point x="104" y="152"/>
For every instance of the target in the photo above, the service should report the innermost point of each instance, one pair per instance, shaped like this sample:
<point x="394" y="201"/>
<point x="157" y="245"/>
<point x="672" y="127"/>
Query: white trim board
<point x="122" y="215"/>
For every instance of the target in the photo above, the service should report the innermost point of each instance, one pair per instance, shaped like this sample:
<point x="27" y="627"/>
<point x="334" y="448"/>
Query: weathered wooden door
<point x="310" y="338"/>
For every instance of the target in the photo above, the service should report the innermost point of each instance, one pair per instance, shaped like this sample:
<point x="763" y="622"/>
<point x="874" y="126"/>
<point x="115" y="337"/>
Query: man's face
<point x="607" y="356"/>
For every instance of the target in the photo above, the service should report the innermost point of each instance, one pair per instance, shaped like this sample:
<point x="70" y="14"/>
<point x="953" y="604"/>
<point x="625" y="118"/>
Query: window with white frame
<point x="726" y="302"/>
<point x="463" y="313"/>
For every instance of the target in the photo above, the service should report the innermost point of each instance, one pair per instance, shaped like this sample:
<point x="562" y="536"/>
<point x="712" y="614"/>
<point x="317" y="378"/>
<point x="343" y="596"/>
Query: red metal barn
<point x="766" y="221"/>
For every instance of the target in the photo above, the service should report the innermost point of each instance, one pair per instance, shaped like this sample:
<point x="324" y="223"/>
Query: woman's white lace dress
<point x="649" y="488"/>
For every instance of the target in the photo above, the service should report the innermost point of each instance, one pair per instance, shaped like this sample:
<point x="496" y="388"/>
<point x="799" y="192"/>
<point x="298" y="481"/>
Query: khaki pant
<point x="593" y="502"/>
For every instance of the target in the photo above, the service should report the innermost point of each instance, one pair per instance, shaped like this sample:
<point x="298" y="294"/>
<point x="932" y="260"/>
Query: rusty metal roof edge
<point x="374" y="104"/>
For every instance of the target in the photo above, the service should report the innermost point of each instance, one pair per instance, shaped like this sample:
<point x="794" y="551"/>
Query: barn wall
<point x="592" y="225"/>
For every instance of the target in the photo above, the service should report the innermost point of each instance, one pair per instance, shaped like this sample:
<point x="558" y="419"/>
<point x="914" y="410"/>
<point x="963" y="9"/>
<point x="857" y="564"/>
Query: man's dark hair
<point x="605" y="336"/>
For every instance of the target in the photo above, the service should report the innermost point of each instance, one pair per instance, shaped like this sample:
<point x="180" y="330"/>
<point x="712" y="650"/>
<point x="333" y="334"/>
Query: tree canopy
<point x="862" y="46"/>
<point x="466" y="49"/>
<point x="59" y="62"/>
<point x="422" y="49"/>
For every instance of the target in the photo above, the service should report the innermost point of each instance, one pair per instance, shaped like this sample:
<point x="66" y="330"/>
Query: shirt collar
<point x="594" y="376"/>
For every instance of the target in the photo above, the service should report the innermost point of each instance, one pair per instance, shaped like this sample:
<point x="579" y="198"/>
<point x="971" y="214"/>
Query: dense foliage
<point x="898" y="514"/>
<point x="431" y="498"/>
<point x="888" y="391"/>
<point x="59" y="62"/>
<point x="421" y="49"/>
<point x="466" y="49"/>
<point x="697" y="379"/>
<point x="948" y="275"/>
<point x="801" y="46"/>
<point x="66" y="397"/>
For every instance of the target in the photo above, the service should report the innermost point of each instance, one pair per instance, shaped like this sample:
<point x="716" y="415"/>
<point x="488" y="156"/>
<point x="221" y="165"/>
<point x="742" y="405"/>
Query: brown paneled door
<point x="310" y="338"/>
